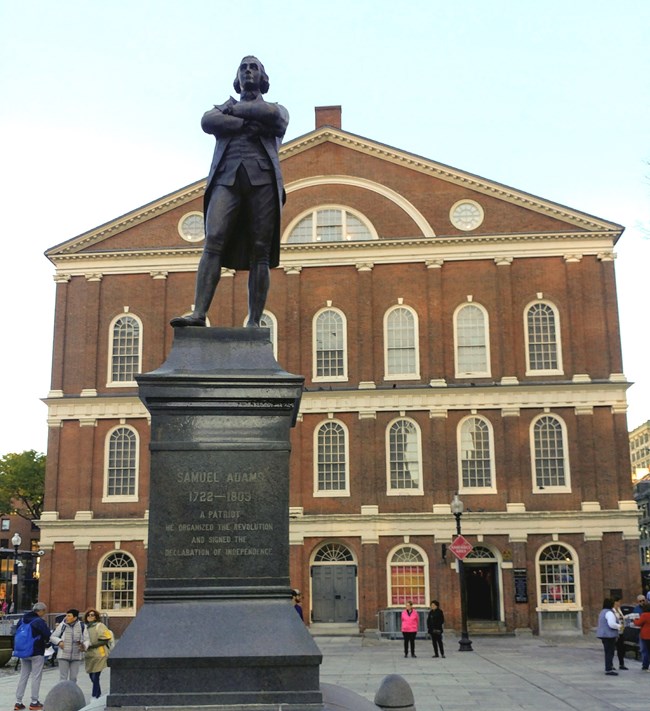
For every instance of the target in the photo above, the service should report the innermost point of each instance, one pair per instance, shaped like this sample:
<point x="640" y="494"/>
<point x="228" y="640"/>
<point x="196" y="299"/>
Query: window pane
<point x="329" y="225"/>
<point x="557" y="583"/>
<point x="549" y="452"/>
<point x="475" y="453"/>
<point x="126" y="350"/>
<point x="355" y="230"/>
<point x="470" y="332"/>
<point x="400" y="346"/>
<point x="331" y="457"/>
<point x="118" y="582"/>
<point x="407" y="577"/>
<point x="542" y="339"/>
<point x="329" y="345"/>
<point x="122" y="463"/>
<point x="303" y="231"/>
<point x="404" y="456"/>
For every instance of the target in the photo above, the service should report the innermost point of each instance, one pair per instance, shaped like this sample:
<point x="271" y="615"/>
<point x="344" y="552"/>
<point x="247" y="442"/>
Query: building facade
<point x="455" y="334"/>
<point x="640" y="450"/>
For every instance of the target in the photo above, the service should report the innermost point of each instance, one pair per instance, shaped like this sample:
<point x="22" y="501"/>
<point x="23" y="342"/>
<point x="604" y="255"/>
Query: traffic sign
<point x="460" y="547"/>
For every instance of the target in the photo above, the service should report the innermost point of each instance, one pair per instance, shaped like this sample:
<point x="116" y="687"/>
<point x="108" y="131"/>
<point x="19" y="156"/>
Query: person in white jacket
<point x="71" y="638"/>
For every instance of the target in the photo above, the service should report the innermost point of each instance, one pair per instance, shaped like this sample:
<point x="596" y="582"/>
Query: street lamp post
<point x="16" y="540"/>
<point x="465" y="643"/>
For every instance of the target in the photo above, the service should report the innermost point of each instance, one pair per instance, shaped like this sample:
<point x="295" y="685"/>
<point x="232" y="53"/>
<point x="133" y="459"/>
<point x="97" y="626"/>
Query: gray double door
<point x="334" y="593"/>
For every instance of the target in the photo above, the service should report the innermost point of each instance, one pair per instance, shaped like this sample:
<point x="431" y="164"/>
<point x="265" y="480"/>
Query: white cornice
<point x="498" y="523"/>
<point x="371" y="526"/>
<point x="408" y="250"/>
<point x="433" y="400"/>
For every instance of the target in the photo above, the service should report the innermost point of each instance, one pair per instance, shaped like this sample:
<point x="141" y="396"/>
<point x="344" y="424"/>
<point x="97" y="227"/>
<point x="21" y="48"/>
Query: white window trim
<point x="558" y="606"/>
<point x="566" y="489"/>
<point x="121" y="498"/>
<point x="329" y="378"/>
<point x="416" y="335"/>
<point x="404" y="492"/>
<point x="476" y="489"/>
<point x="121" y="612"/>
<point x="334" y="206"/>
<point x="389" y="565"/>
<point x="488" y="360"/>
<point x="338" y="492"/>
<point x="551" y="371"/>
<point x="179" y="226"/>
<point x="110" y="383"/>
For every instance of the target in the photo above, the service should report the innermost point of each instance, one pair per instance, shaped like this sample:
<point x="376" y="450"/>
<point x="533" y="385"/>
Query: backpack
<point x="24" y="641"/>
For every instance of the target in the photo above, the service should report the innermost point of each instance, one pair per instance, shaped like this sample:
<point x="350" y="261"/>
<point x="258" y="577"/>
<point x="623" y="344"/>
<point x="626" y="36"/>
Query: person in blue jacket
<point x="33" y="665"/>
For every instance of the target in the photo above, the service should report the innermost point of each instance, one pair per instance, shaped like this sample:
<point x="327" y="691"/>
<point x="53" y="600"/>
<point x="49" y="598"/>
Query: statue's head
<point x="252" y="75"/>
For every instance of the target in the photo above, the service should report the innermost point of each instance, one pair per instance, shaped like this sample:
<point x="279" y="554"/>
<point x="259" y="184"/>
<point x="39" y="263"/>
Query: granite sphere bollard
<point x="64" y="696"/>
<point x="395" y="694"/>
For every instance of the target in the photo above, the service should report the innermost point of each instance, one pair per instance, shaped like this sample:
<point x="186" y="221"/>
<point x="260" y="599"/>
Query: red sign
<point x="460" y="547"/>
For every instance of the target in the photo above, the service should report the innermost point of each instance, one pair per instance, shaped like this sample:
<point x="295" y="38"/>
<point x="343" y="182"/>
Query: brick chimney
<point x="328" y="116"/>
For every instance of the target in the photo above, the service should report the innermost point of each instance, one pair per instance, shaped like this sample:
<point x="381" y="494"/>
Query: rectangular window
<point x="407" y="583"/>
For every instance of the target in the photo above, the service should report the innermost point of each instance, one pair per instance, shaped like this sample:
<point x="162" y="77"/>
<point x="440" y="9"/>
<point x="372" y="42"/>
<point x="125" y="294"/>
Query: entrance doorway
<point x="334" y="585"/>
<point x="482" y="583"/>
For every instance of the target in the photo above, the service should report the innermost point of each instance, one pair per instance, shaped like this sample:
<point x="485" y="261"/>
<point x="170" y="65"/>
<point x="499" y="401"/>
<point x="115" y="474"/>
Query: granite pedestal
<point x="217" y="628"/>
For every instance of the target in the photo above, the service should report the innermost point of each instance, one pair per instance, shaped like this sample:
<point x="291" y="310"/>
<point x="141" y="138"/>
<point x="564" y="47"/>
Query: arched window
<point x="476" y="455"/>
<point x="333" y="553"/>
<point x="543" y="352"/>
<point x="407" y="577"/>
<point x="331" y="224"/>
<point x="330" y="357"/>
<point x="331" y="449"/>
<point x="557" y="582"/>
<point x="117" y="577"/>
<point x="121" y="465"/>
<point x="472" y="342"/>
<point x="125" y="350"/>
<point x="401" y="340"/>
<point x="480" y="553"/>
<point x="549" y="454"/>
<point x="404" y="458"/>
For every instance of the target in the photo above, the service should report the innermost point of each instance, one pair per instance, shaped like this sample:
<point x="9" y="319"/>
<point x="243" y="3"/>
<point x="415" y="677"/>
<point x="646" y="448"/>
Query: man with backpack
<point x="71" y="637"/>
<point x="29" y="646"/>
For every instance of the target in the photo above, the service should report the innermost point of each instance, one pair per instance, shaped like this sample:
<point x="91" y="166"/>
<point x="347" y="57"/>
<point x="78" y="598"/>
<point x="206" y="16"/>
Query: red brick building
<point x="455" y="335"/>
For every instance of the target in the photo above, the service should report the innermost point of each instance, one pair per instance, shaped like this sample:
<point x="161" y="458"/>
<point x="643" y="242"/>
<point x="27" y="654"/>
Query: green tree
<point x="22" y="484"/>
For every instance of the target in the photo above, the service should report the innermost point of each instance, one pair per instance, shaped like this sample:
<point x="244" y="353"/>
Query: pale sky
<point x="100" y="104"/>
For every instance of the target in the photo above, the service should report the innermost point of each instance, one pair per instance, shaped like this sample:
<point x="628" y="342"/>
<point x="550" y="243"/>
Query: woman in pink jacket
<point x="410" y="624"/>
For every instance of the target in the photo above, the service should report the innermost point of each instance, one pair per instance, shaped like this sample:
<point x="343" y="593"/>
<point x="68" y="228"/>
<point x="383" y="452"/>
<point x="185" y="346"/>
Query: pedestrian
<point x="410" y="625"/>
<point x="96" y="656"/>
<point x="607" y="632"/>
<point x="638" y="608"/>
<point x="620" y="640"/>
<point x="296" y="600"/>
<point x="71" y="637"/>
<point x="435" y="622"/>
<point x="643" y="621"/>
<point x="33" y="665"/>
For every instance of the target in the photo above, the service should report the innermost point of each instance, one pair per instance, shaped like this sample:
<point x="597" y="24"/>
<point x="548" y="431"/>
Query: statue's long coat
<point x="236" y="254"/>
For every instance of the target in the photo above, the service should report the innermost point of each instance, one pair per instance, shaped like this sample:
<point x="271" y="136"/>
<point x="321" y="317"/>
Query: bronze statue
<point x="244" y="193"/>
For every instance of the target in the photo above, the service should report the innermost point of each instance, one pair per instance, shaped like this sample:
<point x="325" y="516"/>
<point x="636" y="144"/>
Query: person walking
<point x="410" y="624"/>
<point x="620" y="640"/>
<point x="643" y="621"/>
<point x="607" y="632"/>
<point x="71" y="637"/>
<point x="435" y="622"/>
<point x="96" y="656"/>
<point x="33" y="666"/>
